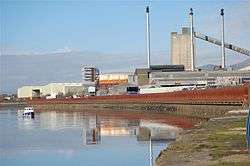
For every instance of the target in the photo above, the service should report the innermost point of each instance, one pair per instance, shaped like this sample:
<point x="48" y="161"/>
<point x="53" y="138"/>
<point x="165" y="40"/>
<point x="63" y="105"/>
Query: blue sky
<point x="105" y="26"/>
<point x="111" y="31"/>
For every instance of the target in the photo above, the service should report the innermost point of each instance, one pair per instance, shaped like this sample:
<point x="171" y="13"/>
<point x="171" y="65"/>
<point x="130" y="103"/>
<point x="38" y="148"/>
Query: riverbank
<point x="219" y="141"/>
<point x="199" y="111"/>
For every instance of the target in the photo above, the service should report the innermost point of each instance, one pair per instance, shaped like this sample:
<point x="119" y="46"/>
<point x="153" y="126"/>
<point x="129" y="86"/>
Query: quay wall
<point x="207" y="103"/>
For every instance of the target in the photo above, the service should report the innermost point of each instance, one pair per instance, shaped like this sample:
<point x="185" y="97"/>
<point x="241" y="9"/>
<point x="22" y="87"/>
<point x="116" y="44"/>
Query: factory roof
<point x="167" y="67"/>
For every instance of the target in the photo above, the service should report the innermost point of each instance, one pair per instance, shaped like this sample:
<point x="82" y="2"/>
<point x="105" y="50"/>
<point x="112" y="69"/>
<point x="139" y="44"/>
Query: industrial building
<point x="106" y="80"/>
<point x="113" y="79"/>
<point x="115" y="83"/>
<point x="180" y="48"/>
<point x="90" y="74"/>
<point x="52" y="89"/>
<point x="182" y="71"/>
<point x="174" y="75"/>
<point x="166" y="68"/>
<point x="142" y="75"/>
<point x="202" y="78"/>
<point x="246" y="68"/>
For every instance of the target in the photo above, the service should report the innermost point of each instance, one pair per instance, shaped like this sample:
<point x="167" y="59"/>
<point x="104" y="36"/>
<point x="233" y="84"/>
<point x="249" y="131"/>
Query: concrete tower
<point x="180" y="48"/>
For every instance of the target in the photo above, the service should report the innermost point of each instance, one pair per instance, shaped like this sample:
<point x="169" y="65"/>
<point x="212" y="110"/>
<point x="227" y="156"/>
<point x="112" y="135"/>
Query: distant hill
<point x="20" y="70"/>
<point x="241" y="65"/>
<point x="238" y="66"/>
<point x="208" y="67"/>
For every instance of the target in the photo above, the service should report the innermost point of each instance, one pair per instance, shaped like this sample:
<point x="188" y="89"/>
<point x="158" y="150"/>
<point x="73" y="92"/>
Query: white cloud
<point x="62" y="50"/>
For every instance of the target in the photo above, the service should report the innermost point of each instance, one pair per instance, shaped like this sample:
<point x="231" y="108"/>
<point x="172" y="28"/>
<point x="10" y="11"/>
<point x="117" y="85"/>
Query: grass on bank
<point x="215" y="142"/>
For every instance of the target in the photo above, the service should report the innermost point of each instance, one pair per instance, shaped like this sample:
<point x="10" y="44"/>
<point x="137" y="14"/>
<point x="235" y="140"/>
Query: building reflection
<point x="143" y="130"/>
<point x="119" y="127"/>
<point x="53" y="120"/>
<point x="92" y="131"/>
<point x="118" y="131"/>
<point x="94" y="126"/>
<point x="25" y="123"/>
<point x="157" y="132"/>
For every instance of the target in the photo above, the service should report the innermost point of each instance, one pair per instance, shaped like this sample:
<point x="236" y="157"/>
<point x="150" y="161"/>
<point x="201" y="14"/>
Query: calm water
<point x="81" y="138"/>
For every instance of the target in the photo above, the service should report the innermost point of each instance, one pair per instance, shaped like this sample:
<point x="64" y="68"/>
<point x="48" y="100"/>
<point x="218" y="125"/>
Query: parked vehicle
<point x="132" y="90"/>
<point x="91" y="91"/>
<point x="51" y="96"/>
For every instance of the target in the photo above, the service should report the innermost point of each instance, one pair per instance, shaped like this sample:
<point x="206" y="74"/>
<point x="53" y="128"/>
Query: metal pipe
<point x="223" y="64"/>
<point x="148" y="36"/>
<point x="192" y="40"/>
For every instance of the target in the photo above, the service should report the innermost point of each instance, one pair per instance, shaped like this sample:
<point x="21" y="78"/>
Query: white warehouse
<point x="51" y="89"/>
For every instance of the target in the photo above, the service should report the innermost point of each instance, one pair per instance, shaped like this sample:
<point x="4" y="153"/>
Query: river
<point x="84" y="138"/>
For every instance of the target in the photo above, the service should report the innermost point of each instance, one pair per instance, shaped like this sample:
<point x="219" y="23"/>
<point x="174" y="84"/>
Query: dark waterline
<point x="81" y="138"/>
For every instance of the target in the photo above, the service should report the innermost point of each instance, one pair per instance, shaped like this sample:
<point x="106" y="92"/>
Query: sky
<point x="118" y="27"/>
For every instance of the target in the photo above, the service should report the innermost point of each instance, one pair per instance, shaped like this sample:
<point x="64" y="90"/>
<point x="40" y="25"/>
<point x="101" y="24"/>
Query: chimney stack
<point x="148" y="35"/>
<point x="192" y="40"/>
<point x="223" y="64"/>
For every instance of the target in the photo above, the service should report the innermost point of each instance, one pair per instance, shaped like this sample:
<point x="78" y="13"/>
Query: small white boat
<point x="26" y="112"/>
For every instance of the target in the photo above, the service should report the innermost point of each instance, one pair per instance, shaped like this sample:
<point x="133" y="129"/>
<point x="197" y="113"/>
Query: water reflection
<point x="92" y="130"/>
<point x="25" y="123"/>
<point x="94" y="126"/>
<point x="157" y="132"/>
<point x="60" y="120"/>
<point x="82" y="136"/>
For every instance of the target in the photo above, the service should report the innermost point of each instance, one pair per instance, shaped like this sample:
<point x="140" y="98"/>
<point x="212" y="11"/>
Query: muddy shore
<point x="200" y="111"/>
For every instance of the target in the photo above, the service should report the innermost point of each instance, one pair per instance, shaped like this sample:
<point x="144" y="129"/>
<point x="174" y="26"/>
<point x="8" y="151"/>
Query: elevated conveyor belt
<point x="218" y="42"/>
